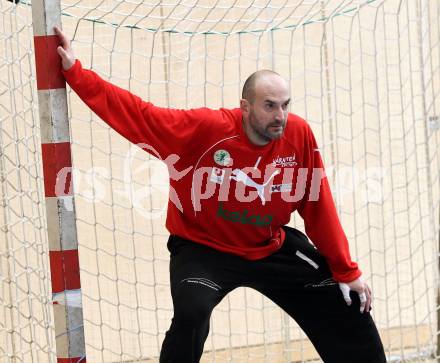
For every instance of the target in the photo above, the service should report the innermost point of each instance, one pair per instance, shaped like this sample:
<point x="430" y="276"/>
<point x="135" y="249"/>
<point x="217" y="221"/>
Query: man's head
<point x="264" y="105"/>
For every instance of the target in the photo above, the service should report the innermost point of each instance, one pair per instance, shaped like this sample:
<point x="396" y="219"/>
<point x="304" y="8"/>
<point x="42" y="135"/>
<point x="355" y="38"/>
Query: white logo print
<point x="280" y="188"/>
<point x="285" y="162"/>
<point x="217" y="175"/>
<point x="240" y="176"/>
<point x="202" y="281"/>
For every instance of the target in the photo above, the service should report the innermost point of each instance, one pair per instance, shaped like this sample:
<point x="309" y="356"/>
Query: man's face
<point x="265" y="118"/>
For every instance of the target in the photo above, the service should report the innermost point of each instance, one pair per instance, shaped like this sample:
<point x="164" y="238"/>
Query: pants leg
<point x="304" y="289"/>
<point x="296" y="278"/>
<point x="198" y="284"/>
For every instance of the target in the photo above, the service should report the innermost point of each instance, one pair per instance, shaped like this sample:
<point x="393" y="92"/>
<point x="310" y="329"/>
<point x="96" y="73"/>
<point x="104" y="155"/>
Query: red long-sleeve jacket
<point x="226" y="192"/>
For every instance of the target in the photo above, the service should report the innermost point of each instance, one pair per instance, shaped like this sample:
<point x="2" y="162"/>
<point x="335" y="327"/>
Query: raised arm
<point x="164" y="130"/>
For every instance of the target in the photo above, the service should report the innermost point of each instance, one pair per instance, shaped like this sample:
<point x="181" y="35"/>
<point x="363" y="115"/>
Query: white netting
<point x="365" y="74"/>
<point x="26" y="331"/>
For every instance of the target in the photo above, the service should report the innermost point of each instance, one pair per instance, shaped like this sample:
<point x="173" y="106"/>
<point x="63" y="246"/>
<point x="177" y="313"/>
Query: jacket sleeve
<point x="167" y="131"/>
<point x="321" y="220"/>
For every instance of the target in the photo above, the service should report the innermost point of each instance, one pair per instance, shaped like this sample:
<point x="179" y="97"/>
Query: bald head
<point x="255" y="79"/>
<point x="265" y="106"/>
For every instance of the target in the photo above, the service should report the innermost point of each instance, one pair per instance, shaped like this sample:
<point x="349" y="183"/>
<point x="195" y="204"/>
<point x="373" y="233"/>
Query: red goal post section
<point x="57" y="163"/>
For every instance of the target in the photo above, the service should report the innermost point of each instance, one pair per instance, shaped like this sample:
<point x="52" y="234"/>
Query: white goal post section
<point x="366" y="76"/>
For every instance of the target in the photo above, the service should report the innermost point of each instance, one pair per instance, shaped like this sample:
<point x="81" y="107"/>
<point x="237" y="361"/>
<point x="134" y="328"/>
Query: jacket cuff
<point x="348" y="276"/>
<point x="73" y="71"/>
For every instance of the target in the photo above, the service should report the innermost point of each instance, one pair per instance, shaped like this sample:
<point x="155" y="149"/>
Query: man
<point x="235" y="178"/>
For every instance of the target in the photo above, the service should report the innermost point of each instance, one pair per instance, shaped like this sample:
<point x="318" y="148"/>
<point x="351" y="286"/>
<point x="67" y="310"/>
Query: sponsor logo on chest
<point x="222" y="157"/>
<point x="217" y="175"/>
<point x="281" y="188"/>
<point x="285" y="161"/>
<point x="243" y="217"/>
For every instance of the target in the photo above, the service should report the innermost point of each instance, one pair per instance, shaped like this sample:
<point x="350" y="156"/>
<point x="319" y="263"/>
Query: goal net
<point x="366" y="76"/>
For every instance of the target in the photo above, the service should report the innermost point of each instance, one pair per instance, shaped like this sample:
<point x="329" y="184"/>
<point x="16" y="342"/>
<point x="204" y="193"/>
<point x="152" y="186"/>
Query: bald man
<point x="236" y="176"/>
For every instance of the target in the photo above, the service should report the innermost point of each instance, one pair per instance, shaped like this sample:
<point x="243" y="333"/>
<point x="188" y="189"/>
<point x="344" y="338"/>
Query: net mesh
<point x="366" y="76"/>
<point x="25" y="314"/>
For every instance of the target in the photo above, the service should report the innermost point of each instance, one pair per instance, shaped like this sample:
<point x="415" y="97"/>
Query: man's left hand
<point x="363" y="291"/>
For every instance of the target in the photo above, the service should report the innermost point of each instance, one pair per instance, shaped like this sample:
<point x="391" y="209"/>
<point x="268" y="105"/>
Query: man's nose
<point x="279" y="114"/>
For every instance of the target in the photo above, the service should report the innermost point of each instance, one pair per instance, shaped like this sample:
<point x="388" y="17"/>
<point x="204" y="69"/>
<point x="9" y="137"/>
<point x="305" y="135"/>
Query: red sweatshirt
<point x="226" y="192"/>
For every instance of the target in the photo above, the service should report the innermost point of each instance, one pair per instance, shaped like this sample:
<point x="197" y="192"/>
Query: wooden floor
<point x="398" y="342"/>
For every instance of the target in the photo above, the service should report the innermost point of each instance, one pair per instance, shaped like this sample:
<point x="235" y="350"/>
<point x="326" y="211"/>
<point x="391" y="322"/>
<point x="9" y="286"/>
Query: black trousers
<point x="296" y="278"/>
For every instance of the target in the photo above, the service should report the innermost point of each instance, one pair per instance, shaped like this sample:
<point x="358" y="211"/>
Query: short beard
<point x="264" y="134"/>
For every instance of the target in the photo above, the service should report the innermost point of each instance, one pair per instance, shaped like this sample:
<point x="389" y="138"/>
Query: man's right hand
<point x="64" y="50"/>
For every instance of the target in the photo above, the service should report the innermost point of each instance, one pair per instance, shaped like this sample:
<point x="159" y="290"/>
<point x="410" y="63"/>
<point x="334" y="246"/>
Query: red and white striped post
<point x="57" y="172"/>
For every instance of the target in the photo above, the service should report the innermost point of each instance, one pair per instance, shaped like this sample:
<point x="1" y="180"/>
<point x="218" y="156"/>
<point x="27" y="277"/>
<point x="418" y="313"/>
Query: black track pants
<point x="296" y="278"/>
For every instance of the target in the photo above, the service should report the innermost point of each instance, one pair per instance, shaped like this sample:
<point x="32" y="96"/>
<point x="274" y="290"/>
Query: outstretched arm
<point x="164" y="130"/>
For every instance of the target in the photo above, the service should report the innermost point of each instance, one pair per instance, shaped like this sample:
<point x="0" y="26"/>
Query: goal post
<point x="58" y="189"/>
<point x="364" y="73"/>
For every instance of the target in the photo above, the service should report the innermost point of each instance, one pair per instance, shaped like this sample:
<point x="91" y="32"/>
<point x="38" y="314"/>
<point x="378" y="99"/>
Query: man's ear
<point x="244" y="106"/>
